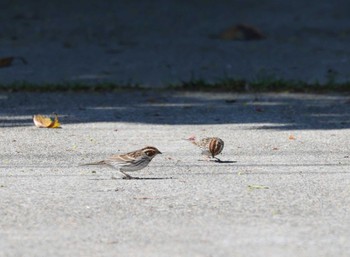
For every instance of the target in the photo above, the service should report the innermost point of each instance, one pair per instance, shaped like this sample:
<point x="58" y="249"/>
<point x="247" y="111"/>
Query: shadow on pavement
<point x="259" y="111"/>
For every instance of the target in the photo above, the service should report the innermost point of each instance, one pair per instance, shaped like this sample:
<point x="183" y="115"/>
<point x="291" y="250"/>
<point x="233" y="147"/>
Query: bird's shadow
<point x="147" y="178"/>
<point x="133" y="178"/>
<point x="218" y="161"/>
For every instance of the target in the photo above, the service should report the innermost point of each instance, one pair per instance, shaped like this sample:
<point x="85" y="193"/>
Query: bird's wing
<point x="136" y="164"/>
<point x="205" y="141"/>
<point x="121" y="158"/>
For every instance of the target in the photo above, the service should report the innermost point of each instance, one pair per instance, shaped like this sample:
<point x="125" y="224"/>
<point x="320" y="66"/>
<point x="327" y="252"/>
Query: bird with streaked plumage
<point x="211" y="146"/>
<point x="131" y="161"/>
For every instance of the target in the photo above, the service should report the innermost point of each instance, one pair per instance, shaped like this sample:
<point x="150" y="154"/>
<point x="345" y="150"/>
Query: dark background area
<point x="156" y="43"/>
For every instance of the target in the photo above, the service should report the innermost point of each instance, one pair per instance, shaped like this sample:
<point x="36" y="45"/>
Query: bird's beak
<point x="159" y="152"/>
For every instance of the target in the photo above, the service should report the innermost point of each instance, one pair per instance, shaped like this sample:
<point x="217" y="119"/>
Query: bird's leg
<point x="126" y="176"/>
<point x="217" y="159"/>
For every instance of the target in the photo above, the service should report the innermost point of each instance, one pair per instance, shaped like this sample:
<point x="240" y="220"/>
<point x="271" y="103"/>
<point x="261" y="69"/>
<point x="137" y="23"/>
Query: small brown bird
<point x="132" y="161"/>
<point x="211" y="146"/>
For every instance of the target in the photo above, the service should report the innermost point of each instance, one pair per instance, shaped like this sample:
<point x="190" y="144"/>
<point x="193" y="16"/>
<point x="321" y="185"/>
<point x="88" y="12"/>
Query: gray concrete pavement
<point x="274" y="196"/>
<point x="185" y="206"/>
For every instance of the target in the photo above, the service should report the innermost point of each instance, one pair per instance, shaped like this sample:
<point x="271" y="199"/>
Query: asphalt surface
<point x="283" y="186"/>
<point x="282" y="189"/>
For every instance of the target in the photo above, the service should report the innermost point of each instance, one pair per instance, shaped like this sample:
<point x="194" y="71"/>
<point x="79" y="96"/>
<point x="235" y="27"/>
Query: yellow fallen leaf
<point x="41" y="121"/>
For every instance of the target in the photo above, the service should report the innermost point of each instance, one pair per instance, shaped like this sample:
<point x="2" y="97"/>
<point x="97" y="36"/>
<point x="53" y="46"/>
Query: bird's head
<point x="150" y="151"/>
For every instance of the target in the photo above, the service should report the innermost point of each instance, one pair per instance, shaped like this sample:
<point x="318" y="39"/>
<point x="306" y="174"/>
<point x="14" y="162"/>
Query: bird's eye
<point x="152" y="153"/>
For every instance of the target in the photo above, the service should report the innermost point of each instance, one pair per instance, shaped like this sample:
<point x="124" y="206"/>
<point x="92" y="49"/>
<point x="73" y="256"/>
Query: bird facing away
<point x="132" y="161"/>
<point x="211" y="146"/>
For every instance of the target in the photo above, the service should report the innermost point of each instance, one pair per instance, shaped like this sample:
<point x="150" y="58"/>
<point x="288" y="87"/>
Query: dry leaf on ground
<point x="42" y="121"/>
<point x="291" y="137"/>
<point x="7" y="61"/>
<point x="241" y="32"/>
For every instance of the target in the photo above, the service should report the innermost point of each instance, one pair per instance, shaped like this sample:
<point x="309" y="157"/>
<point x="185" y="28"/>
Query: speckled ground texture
<point x="157" y="43"/>
<point x="283" y="188"/>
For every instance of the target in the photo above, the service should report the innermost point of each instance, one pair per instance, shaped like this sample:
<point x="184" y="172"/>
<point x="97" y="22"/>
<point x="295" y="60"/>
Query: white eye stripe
<point x="150" y="153"/>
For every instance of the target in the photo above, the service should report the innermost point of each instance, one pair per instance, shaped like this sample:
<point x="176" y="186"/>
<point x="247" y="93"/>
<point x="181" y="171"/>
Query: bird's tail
<point x="93" y="163"/>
